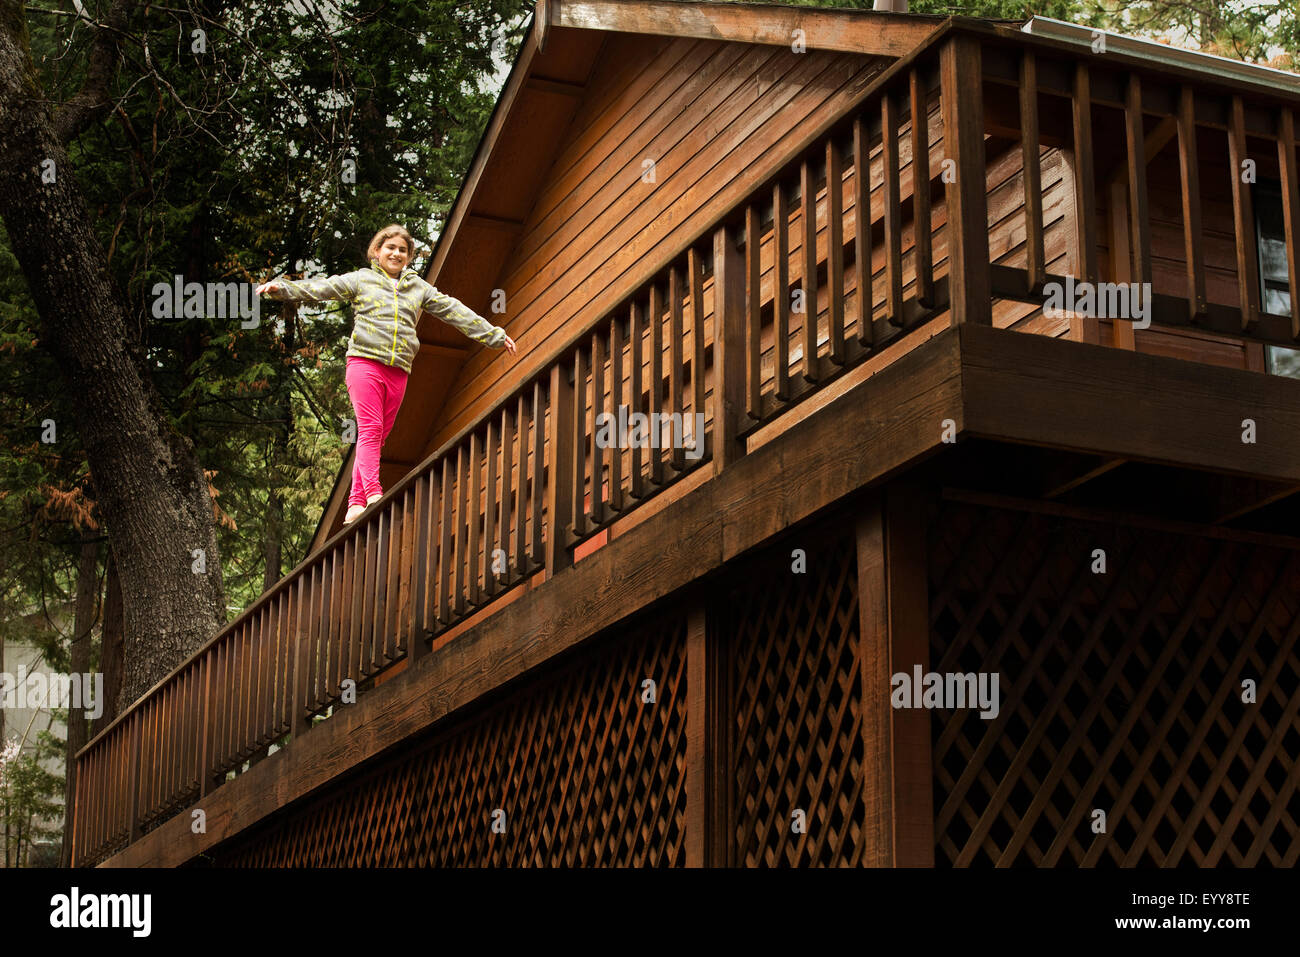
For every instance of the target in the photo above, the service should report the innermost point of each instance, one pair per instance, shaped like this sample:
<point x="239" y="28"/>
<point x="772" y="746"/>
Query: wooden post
<point x="962" y="91"/>
<point x="893" y="605"/>
<point x="729" y="373"/>
<point x="559" y="490"/>
<point x="708" y="748"/>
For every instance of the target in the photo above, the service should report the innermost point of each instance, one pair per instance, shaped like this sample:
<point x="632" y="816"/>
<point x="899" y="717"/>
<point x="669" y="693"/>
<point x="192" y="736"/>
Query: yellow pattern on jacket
<point x="386" y="311"/>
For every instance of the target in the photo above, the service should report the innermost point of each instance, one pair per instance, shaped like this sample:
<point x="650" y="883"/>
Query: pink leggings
<point x="376" y="391"/>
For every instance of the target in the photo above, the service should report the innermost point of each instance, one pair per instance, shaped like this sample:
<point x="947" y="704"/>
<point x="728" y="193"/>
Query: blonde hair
<point x="388" y="232"/>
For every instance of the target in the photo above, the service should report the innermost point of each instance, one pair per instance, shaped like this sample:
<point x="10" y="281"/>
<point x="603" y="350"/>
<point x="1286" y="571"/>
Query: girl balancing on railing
<point x="387" y="300"/>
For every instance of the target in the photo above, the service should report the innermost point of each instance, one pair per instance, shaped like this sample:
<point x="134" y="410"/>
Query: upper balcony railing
<point x="718" y="329"/>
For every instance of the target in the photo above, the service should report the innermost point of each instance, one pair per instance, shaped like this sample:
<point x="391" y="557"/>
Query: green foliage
<point x="31" y="801"/>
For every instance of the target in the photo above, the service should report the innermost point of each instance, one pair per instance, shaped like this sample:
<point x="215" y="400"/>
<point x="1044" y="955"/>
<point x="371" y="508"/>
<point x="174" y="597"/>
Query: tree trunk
<point x="150" y="487"/>
<point x="83" y="624"/>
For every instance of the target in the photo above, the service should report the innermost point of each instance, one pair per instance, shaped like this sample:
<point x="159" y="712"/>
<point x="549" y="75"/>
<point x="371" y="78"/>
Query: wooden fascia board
<point x="865" y="31"/>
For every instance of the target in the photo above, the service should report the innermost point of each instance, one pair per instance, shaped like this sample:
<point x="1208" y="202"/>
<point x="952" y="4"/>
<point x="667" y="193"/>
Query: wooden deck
<point x="457" y="583"/>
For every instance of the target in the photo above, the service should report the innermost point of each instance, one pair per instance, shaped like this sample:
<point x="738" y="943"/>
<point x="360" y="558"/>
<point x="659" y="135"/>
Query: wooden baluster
<point x="472" y="514"/>
<point x="695" y="280"/>
<point x="862" y="234"/>
<point x="1085" y="190"/>
<point x="578" y="417"/>
<point x="732" y="375"/>
<point x="560" y="490"/>
<point x="1139" y="210"/>
<point x="656" y="383"/>
<point x="421" y="570"/>
<point x="676" y="350"/>
<point x="510" y="523"/>
<point x="1290" y="209"/>
<point x="445" y="500"/>
<point x="464" y="513"/>
<point x="808" y="274"/>
<point x="489" y="511"/>
<point x="1030" y="158"/>
<point x="1189" y="168"/>
<point x="302" y="655"/>
<point x="367" y="595"/>
<point x="753" y="314"/>
<point x="203" y="753"/>
<point x="596" y="459"/>
<point x="835" y="251"/>
<point x="133" y="779"/>
<point x="1244" y="217"/>
<point x="398" y="567"/>
<point x="521" y="490"/>
<point x="538" y="556"/>
<point x="892" y="199"/>
<point x="923" y="250"/>
<point x="636" y="354"/>
<point x="780" y="294"/>
<point x="962" y="94"/>
<point x="616" y="503"/>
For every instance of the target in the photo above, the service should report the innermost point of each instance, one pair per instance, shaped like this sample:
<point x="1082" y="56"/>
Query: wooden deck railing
<point x="719" y="329"/>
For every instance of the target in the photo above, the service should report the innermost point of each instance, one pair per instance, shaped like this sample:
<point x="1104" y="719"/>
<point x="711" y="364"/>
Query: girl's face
<point x="393" y="255"/>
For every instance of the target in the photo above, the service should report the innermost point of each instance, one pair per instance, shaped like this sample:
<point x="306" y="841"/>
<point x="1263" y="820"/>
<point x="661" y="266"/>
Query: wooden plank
<point x="521" y="490"/>
<point x="559" y="492"/>
<point x="474" y="553"/>
<point x="655" y="385"/>
<point x="461" y="533"/>
<point x="445" y="504"/>
<point x="616" y="347"/>
<point x="1030" y="152"/>
<point x="677" y="361"/>
<point x="637" y="351"/>
<point x="1085" y="191"/>
<point x="808" y="272"/>
<point x="835" y="250"/>
<point x="893" y="212"/>
<point x="537" y="546"/>
<point x="695" y="283"/>
<point x="510" y="523"/>
<point x="575" y="487"/>
<point x="862" y="234"/>
<point x="961" y="79"/>
<point x="1244" y="218"/>
<point x="423" y="568"/>
<point x="870" y="32"/>
<point x="1290" y="209"/>
<point x="1189" y="168"/>
<point x="753" y="311"/>
<point x="733" y="376"/>
<point x="489" y="511"/>
<point x="921" y="207"/>
<point x="780" y="292"/>
<point x="596" y="459"/>
<point x="696" y="839"/>
<point x="1139" y="208"/>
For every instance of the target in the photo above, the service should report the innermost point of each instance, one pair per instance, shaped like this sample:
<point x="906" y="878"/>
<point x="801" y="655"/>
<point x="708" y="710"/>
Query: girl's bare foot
<point x="353" y="512"/>
<point x="372" y="500"/>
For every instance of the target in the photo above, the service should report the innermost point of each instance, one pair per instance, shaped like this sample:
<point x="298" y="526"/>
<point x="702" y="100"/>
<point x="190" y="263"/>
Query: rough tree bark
<point x="151" y="488"/>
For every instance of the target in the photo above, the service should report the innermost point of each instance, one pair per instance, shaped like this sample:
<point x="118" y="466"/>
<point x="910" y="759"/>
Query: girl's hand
<point x="267" y="287"/>
<point x="510" y="345"/>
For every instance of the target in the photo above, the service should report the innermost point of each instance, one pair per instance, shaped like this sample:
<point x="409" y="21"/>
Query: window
<point x="1275" y="291"/>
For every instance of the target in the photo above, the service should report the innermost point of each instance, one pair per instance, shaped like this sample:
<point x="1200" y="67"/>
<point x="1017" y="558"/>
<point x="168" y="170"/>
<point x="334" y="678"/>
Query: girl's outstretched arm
<point x="455" y="313"/>
<point x="312" y="290"/>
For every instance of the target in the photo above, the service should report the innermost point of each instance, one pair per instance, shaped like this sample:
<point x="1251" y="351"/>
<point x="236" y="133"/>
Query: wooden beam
<point x="1244" y="218"/>
<point x="858" y="31"/>
<point x="893" y="607"/>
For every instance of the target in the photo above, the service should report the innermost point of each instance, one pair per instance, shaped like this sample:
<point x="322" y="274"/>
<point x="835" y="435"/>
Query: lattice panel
<point x="1120" y="691"/>
<point x="586" y="773"/>
<point x="792" y="640"/>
